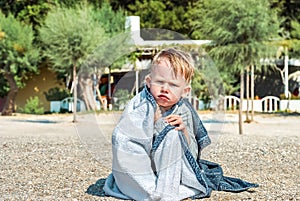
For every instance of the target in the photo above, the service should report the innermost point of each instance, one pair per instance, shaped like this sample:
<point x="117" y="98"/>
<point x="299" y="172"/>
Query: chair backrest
<point x="231" y="103"/>
<point x="68" y="102"/>
<point x="270" y="104"/>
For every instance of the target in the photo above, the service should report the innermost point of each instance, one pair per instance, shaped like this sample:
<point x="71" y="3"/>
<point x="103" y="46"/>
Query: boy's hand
<point x="176" y="120"/>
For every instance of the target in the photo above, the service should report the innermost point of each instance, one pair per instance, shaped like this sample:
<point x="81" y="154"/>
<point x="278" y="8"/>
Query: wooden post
<point x="74" y="94"/>
<point x="241" y="102"/>
<point x="247" y="94"/>
<point x="252" y="92"/>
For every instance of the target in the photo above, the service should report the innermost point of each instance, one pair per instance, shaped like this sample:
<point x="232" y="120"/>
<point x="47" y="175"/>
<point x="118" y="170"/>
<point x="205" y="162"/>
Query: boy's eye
<point x="174" y="85"/>
<point x="159" y="82"/>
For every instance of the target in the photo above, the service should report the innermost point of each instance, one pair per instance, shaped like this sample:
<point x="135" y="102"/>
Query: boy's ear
<point x="186" y="90"/>
<point x="148" y="80"/>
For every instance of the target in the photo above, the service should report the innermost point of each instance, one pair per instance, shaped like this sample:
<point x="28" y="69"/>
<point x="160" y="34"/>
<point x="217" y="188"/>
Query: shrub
<point x="32" y="106"/>
<point x="57" y="94"/>
<point x="292" y="97"/>
<point x="121" y="96"/>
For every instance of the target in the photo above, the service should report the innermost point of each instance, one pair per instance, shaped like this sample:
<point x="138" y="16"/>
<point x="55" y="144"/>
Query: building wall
<point x="37" y="85"/>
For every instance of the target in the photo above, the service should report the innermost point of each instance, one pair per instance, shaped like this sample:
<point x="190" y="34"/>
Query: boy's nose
<point x="165" y="87"/>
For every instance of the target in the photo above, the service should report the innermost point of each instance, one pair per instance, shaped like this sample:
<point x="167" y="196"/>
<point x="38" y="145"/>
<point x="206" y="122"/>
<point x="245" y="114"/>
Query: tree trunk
<point x="286" y="73"/>
<point x="252" y="92"/>
<point x="74" y="93"/>
<point x="9" y="104"/>
<point x="241" y="102"/>
<point x="109" y="101"/>
<point x="286" y="78"/>
<point x="136" y="81"/>
<point x="247" y="94"/>
<point x="86" y="92"/>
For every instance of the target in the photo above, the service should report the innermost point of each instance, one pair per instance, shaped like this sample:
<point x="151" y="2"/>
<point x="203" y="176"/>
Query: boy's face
<point x="165" y="87"/>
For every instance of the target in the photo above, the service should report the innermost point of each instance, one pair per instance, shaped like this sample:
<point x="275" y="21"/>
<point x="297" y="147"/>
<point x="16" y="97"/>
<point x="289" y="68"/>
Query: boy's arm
<point x="183" y="119"/>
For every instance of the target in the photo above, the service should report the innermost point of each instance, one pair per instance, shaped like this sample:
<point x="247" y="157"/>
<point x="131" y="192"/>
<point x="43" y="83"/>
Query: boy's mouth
<point x="163" y="97"/>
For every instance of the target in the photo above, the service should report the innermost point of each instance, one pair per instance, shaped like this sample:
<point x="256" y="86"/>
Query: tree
<point x="112" y="21"/>
<point x="289" y="44"/>
<point x="239" y="33"/>
<point x="31" y="12"/>
<point x="18" y="57"/>
<point x="70" y="37"/>
<point x="288" y="10"/>
<point x="165" y="14"/>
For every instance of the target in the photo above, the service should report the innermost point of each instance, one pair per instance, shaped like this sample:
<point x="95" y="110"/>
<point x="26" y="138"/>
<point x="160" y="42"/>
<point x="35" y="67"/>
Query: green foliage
<point x="111" y="52"/>
<point x="207" y="85"/>
<point x="295" y="33"/>
<point x="113" y="22"/>
<point x="292" y="97"/>
<point x="295" y="44"/>
<point x="70" y="35"/>
<point x="239" y="31"/>
<point x="199" y="87"/>
<point x="122" y="97"/>
<point x="69" y="3"/>
<point x="151" y="13"/>
<point x="75" y="36"/>
<point x="34" y="14"/>
<point x="289" y="11"/>
<point x="165" y="14"/>
<point x="32" y="106"/>
<point x="4" y="87"/>
<point x="18" y="56"/>
<point x="229" y="82"/>
<point x="31" y="12"/>
<point x="57" y="94"/>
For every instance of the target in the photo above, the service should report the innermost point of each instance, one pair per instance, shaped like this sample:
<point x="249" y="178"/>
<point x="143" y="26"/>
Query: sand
<point x="48" y="157"/>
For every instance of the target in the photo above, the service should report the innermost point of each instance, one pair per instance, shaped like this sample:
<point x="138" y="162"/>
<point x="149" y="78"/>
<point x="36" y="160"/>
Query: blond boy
<point x="158" y="140"/>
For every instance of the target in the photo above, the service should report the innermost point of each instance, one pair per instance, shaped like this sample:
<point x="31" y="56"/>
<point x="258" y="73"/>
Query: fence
<point x="266" y="104"/>
<point x="227" y="103"/>
<point x="66" y="105"/>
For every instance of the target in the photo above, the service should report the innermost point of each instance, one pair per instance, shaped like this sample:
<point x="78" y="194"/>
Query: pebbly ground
<point x="48" y="157"/>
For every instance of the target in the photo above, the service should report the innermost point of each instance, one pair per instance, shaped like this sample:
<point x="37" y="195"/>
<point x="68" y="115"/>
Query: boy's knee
<point x="171" y="144"/>
<point x="172" y="137"/>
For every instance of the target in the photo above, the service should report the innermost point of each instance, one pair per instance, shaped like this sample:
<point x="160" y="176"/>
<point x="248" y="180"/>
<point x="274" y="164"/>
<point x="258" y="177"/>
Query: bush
<point x="57" y="94"/>
<point x="32" y="106"/>
<point x="121" y="96"/>
<point x="293" y="97"/>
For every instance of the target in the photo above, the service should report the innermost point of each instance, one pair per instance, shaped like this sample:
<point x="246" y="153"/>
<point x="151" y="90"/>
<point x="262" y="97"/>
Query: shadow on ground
<point x="42" y="121"/>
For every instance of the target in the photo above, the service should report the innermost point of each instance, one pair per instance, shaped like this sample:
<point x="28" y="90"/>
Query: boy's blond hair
<point x="181" y="62"/>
